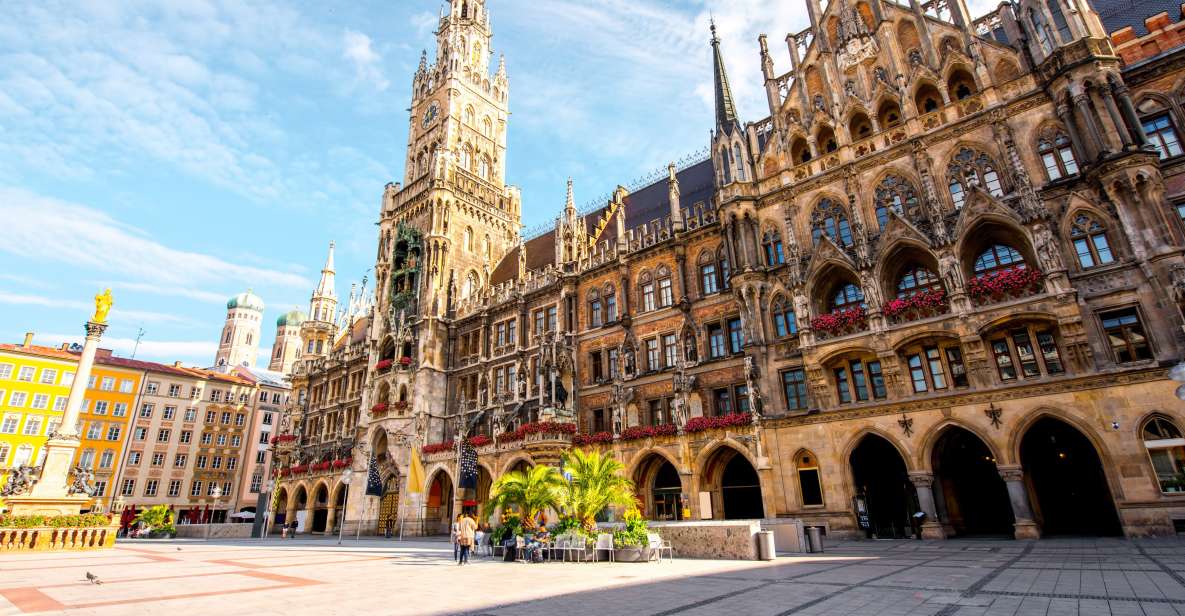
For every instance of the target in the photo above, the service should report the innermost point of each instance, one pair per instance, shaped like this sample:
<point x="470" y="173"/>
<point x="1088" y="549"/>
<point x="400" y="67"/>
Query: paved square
<point x="881" y="578"/>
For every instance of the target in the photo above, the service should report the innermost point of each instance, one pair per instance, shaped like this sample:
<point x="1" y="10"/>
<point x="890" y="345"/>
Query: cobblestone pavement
<point x="881" y="578"/>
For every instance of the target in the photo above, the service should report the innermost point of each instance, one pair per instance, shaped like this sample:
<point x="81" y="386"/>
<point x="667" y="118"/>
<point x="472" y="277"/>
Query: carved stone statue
<point x="103" y="304"/>
<point x="81" y="479"/>
<point x="20" y="481"/>
<point x="751" y="377"/>
<point x="622" y="396"/>
<point x="1047" y="249"/>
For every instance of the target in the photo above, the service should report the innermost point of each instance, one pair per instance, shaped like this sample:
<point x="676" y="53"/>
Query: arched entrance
<point x="438" y="513"/>
<point x="734" y="485"/>
<point x="1064" y="475"/>
<point x="885" y="498"/>
<point x="339" y="507"/>
<point x="389" y="507"/>
<point x="299" y="510"/>
<point x="482" y="493"/>
<point x="972" y="498"/>
<point x="320" y="508"/>
<point x="659" y="488"/>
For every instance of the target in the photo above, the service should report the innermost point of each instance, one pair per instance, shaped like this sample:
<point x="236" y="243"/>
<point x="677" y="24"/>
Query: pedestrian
<point x="454" y="537"/>
<point x="466" y="528"/>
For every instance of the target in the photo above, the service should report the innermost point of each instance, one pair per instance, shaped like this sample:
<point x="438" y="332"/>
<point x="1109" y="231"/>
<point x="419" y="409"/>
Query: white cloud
<point x="174" y="291"/>
<point x="86" y="309"/>
<point x="356" y="47"/>
<point x="50" y="230"/>
<point x="199" y="353"/>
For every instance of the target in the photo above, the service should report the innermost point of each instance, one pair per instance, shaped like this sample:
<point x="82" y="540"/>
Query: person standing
<point x="466" y="529"/>
<point x="455" y="538"/>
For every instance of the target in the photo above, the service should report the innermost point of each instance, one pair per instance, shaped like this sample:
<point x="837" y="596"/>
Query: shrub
<point x="635" y="532"/>
<point x="85" y="520"/>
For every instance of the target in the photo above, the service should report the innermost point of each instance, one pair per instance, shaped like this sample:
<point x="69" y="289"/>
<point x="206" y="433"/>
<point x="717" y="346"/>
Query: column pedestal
<point x="923" y="483"/>
<point x="1024" y="526"/>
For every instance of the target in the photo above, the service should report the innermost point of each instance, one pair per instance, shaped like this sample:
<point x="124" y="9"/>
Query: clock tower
<point x="444" y="229"/>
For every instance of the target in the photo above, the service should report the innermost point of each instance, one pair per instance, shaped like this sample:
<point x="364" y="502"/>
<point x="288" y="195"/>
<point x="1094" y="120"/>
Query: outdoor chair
<point x="658" y="545"/>
<point x="604" y="542"/>
<point x="519" y="550"/>
<point x="560" y="546"/>
<point x="579" y="546"/>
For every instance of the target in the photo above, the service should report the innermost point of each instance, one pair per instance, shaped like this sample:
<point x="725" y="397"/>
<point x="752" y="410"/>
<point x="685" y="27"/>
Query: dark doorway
<point x="741" y="490"/>
<point x="1063" y="472"/>
<point x="967" y="481"/>
<point x="321" y="510"/>
<point x="883" y="488"/>
<point x="666" y="493"/>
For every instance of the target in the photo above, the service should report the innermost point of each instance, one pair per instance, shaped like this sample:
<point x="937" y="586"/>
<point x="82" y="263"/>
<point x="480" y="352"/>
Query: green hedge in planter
<point x="634" y="535"/>
<point x="86" y="520"/>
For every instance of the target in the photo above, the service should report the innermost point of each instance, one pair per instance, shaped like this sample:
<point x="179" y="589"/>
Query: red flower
<point x="379" y="408"/>
<point x="405" y="361"/>
<point x="699" y="424"/>
<point x="438" y="447"/>
<point x="922" y="301"/>
<point x="382" y="364"/>
<point x="480" y="440"/>
<point x="841" y="321"/>
<point x="283" y="438"/>
<point x="996" y="285"/>
<point x="589" y="439"/>
<point x="638" y="432"/>
<point x="542" y="427"/>
<point x="399" y="405"/>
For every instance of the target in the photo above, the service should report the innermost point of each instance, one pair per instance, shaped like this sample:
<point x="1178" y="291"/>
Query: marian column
<point x="57" y="491"/>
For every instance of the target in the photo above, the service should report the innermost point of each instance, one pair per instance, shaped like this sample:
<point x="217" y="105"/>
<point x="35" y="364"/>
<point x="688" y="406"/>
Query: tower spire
<point x="570" y="203"/>
<point x="726" y="115"/>
<point x="326" y="287"/>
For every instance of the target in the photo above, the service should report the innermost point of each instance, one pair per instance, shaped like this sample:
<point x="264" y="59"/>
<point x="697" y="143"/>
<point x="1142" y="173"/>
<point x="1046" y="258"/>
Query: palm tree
<point x="157" y="518"/>
<point x="531" y="492"/>
<point x="597" y="482"/>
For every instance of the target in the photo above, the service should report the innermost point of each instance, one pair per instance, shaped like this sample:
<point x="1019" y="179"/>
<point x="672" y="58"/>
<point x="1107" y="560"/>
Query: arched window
<point x="725" y="268"/>
<point x="785" y="321"/>
<point x="470" y="286"/>
<point x="725" y="167"/>
<point x="469" y="116"/>
<point x="800" y="151"/>
<point x="927" y="98"/>
<point x="809" y="483"/>
<point x="486" y="246"/>
<point x="889" y="114"/>
<point x="467" y="157"/>
<point x="709" y="273"/>
<point x="960" y="85"/>
<point x="609" y="297"/>
<point x="999" y="257"/>
<point x="487" y="127"/>
<point x="830" y="219"/>
<point x="859" y="127"/>
<point x="1090" y="242"/>
<point x="1166" y="449"/>
<point x="467" y="239"/>
<point x="1044" y="34"/>
<point x="825" y="139"/>
<point x="917" y="278"/>
<point x="596" y="309"/>
<point x="666" y="293"/>
<point x="646" y="292"/>
<point x="847" y="295"/>
<point x="739" y="161"/>
<point x="771" y="242"/>
<point x="897" y="194"/>
<point x="1054" y="148"/>
<point x="972" y="168"/>
<point x="483" y="167"/>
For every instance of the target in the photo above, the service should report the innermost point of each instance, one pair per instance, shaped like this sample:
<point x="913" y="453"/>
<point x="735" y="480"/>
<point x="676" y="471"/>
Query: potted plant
<point x="598" y="481"/>
<point x="632" y="543"/>
<point x="530" y="492"/>
<point x="159" y="522"/>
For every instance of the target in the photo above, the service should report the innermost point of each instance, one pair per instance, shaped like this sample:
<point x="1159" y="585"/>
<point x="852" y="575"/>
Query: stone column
<point x="1129" y="113"/>
<point x="923" y="482"/>
<point x="1082" y="103"/>
<point x="51" y="494"/>
<point x="1018" y="497"/>
<point x="1067" y="118"/>
<point x="1116" y="118"/>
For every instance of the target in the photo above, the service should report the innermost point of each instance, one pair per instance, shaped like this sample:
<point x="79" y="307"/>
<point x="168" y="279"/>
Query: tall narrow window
<point x="841" y="385"/>
<point x="771" y="242"/>
<point x="716" y="346"/>
<point x="808" y="480"/>
<point x="1125" y="332"/>
<point x="1057" y="155"/>
<point x="1059" y="20"/>
<point x="736" y="336"/>
<point x="1162" y="134"/>
<point x="1090" y="242"/>
<point x="830" y="219"/>
<point x="785" y="323"/>
<point x="794" y="389"/>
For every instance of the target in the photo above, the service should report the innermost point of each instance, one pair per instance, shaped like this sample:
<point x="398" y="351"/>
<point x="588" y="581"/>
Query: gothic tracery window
<point x="1057" y="155"/>
<point x="1090" y="242"/>
<point x="785" y="321"/>
<point x="972" y="168"/>
<point x="771" y="243"/>
<point x="831" y="219"/>
<point x="897" y="194"/>
<point x="915" y="279"/>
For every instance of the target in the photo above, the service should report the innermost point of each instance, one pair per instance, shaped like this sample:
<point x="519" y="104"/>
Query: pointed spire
<point x="726" y="115"/>
<point x="501" y="66"/>
<point x="570" y="203"/>
<point x="423" y="61"/>
<point x="673" y="197"/>
<point x="326" y="287"/>
<point x="522" y="256"/>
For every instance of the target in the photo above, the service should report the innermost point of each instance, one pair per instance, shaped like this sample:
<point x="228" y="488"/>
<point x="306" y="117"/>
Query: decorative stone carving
<point x="20" y="481"/>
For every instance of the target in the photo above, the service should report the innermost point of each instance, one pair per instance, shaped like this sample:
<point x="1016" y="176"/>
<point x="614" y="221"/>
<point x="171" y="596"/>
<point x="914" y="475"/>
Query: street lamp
<point x="341" y="524"/>
<point x="217" y="494"/>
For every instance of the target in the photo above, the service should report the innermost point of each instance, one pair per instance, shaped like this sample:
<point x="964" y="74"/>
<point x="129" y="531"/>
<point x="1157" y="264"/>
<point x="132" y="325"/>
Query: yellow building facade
<point x="111" y="398"/>
<point x="34" y="385"/>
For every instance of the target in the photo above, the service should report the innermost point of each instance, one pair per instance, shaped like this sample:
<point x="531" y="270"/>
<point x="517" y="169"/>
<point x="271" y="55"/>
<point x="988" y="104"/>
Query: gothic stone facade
<point x="943" y="276"/>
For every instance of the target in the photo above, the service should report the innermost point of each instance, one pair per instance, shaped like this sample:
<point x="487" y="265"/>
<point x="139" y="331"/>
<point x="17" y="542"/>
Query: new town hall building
<point x="944" y="275"/>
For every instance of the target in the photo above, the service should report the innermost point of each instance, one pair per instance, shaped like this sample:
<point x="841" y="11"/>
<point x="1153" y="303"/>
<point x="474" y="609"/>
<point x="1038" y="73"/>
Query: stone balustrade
<point x="51" y="538"/>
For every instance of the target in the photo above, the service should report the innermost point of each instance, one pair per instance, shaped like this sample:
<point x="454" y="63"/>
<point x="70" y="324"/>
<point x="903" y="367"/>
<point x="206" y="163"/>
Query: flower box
<point x="379" y="409"/>
<point x="321" y="466"/>
<point x="640" y="432"/>
<point x="543" y="428"/>
<point x="340" y="464"/>
<point x="399" y="405"/>
<point x="840" y="322"/>
<point x="282" y="438"/>
<point x="1004" y="284"/>
<point x="590" y="439"/>
<point x="480" y="440"/>
<point x="438" y="447"/>
<point x="919" y="305"/>
<point x="299" y="469"/>
<point x="405" y="361"/>
<point x="699" y="424"/>
<point x="383" y="364"/>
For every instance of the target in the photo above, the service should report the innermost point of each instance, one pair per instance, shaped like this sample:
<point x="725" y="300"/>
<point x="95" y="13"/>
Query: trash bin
<point x="814" y="539"/>
<point x="765" y="545"/>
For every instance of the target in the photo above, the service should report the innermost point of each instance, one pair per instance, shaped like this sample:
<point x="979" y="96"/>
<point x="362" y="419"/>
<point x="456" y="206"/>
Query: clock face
<point x="429" y="115"/>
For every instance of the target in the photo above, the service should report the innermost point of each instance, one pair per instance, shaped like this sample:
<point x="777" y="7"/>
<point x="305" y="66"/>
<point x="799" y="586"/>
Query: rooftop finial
<point x="571" y="201"/>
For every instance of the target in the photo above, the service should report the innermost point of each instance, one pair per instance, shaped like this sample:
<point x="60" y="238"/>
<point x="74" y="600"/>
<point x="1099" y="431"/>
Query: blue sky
<point x="181" y="151"/>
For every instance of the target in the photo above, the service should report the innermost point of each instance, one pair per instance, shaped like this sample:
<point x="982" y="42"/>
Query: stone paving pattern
<point x="371" y="576"/>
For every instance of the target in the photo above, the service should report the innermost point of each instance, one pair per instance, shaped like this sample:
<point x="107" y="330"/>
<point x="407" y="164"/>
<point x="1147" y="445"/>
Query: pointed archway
<point x="972" y="497"/>
<point x="734" y="485"/>
<point x="659" y="488"/>
<point x="320" y="508"/>
<point x="884" y="497"/>
<point x="438" y="512"/>
<point x="389" y="506"/>
<point x="1066" y="479"/>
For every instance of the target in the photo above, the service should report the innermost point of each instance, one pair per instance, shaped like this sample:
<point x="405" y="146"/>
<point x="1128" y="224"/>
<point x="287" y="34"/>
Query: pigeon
<point x="178" y="548"/>
<point x="92" y="578"/>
